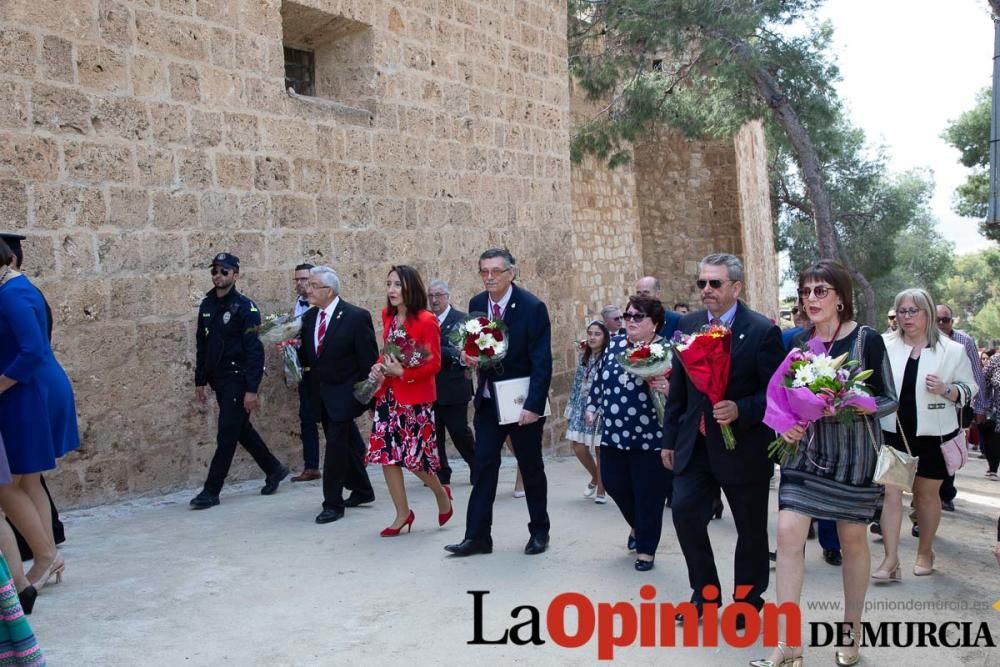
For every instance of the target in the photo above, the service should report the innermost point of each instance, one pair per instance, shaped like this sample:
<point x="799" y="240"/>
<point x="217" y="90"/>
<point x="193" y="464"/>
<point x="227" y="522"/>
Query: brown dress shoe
<point x="307" y="476"/>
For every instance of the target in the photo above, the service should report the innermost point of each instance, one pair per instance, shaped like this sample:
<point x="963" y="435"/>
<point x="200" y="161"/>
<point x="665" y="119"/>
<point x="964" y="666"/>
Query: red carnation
<point x="497" y="334"/>
<point x="471" y="348"/>
<point x="488" y="352"/>
<point x="640" y="353"/>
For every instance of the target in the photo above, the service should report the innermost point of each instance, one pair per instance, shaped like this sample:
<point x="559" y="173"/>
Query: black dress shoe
<point x="679" y="616"/>
<point x="470" y="547"/>
<point x="630" y="543"/>
<point x="536" y="544"/>
<point x="272" y="481"/>
<point x="717" y="509"/>
<point x="354" y="500"/>
<point x="643" y="565"/>
<point x="329" y="516"/>
<point x="204" y="500"/>
<point x="948" y="505"/>
<point x="833" y="556"/>
<point x="741" y="622"/>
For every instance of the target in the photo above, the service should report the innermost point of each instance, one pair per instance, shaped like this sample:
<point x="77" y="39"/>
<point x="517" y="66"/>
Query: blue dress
<point x="38" y="414"/>
<point x="576" y="407"/>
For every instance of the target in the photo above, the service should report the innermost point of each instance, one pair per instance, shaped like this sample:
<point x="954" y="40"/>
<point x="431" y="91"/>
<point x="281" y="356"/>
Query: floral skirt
<point x="404" y="435"/>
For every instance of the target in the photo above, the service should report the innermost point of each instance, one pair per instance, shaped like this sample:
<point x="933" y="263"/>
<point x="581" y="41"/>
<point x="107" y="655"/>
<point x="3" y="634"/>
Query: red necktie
<point x="497" y="315"/>
<point x="321" y="332"/>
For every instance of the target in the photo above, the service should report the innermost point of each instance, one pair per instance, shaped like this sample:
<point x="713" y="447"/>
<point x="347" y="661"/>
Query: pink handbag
<point x="955" y="452"/>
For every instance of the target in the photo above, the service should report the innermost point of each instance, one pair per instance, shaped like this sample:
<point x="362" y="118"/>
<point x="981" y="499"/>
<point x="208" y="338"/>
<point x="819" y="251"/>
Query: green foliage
<point x="970" y="134"/>
<point x="971" y="292"/>
<point x="672" y="62"/>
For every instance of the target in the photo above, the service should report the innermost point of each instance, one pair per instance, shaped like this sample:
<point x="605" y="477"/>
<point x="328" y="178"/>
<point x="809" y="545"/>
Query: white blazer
<point x="936" y="415"/>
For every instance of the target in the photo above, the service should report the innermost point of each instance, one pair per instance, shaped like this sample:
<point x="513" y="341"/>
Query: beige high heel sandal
<point x="786" y="661"/>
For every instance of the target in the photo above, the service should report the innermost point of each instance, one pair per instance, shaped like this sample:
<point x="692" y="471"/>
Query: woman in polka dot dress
<point x="631" y="436"/>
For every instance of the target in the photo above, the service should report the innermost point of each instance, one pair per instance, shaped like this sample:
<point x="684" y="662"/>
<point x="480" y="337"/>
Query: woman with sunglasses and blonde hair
<point x="933" y="376"/>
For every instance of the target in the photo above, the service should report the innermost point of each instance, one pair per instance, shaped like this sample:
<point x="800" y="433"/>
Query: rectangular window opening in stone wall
<point x="328" y="57"/>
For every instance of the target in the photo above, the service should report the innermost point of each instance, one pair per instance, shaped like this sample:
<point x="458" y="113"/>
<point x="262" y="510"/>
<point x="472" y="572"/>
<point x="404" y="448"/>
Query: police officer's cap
<point x="226" y="260"/>
<point x="12" y="240"/>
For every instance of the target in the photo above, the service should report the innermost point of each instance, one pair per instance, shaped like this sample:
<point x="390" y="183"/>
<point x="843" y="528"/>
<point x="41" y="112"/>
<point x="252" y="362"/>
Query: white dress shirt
<point x="443" y="316"/>
<point x="329" y="320"/>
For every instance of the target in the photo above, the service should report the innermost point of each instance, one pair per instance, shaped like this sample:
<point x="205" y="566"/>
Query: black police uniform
<point x="230" y="358"/>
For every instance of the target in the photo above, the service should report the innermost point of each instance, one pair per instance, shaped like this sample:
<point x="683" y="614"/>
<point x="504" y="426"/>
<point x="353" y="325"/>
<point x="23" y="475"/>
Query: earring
<point x="840" y="307"/>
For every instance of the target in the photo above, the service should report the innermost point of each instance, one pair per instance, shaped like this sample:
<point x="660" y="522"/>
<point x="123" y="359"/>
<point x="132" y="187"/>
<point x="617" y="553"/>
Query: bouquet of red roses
<point x="705" y="357"/>
<point x="401" y="347"/>
<point x="482" y="339"/>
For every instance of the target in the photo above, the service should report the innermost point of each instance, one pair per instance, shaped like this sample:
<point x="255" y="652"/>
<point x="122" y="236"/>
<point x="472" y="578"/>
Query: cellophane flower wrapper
<point x="646" y="362"/>
<point x="789" y="406"/>
<point x="407" y="351"/>
<point x="278" y="328"/>
<point x="705" y="356"/>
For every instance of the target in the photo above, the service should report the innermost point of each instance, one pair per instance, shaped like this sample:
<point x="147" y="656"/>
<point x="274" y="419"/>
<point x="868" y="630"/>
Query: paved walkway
<point x="256" y="582"/>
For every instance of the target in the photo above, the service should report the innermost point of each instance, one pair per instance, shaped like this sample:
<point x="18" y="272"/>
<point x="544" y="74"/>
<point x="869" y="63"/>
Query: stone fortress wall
<point x="140" y="137"/>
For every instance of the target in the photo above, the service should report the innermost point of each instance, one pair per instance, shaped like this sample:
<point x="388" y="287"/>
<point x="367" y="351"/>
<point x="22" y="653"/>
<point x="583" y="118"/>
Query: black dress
<point x="927" y="447"/>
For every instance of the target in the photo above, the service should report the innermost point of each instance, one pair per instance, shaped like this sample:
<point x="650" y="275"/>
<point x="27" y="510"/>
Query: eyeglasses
<point x="492" y="273"/>
<point x="315" y="287"/>
<point x="714" y="284"/>
<point x="617" y="318"/>
<point x="944" y="320"/>
<point x="907" y="313"/>
<point x="436" y="295"/>
<point x="216" y="271"/>
<point x="892" y="317"/>
<point x="634" y="317"/>
<point x="819" y="291"/>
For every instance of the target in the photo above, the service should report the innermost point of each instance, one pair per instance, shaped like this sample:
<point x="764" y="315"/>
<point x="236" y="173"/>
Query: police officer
<point x="230" y="358"/>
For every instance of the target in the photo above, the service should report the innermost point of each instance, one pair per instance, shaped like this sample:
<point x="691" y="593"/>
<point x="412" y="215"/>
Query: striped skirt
<point x="18" y="645"/>
<point x="830" y="474"/>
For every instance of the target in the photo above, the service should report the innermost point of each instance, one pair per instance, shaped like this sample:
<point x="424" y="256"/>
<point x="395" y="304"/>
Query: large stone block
<point x="175" y="210"/>
<point x="115" y="22"/>
<point x="57" y="59"/>
<point x="185" y="83"/>
<point x="155" y="166"/>
<point x="128" y="208"/>
<point x="121" y="117"/>
<point x="99" y="162"/>
<point x="194" y="169"/>
<point x="102" y="68"/>
<point x="14" y="203"/>
<point x="169" y="123"/>
<point x="221" y="88"/>
<point x="184" y="39"/>
<point x="13" y="105"/>
<point x="149" y="76"/>
<point x="17" y="52"/>
<point x="27" y="156"/>
<point x="234" y="171"/>
<point x="293" y="211"/>
<point x="58" y="206"/>
<point x="273" y="173"/>
<point x="72" y="19"/>
<point x="76" y="253"/>
<point x="242" y="132"/>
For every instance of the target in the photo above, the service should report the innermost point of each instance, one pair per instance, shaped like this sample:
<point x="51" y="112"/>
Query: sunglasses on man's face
<point x="892" y="317"/>
<point x="714" y="284"/>
<point x="634" y="317"/>
<point x="217" y="270"/>
<point x="944" y="320"/>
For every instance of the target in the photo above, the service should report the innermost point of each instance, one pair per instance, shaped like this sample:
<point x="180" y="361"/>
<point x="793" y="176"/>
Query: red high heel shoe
<point x="443" y="518"/>
<point x="393" y="532"/>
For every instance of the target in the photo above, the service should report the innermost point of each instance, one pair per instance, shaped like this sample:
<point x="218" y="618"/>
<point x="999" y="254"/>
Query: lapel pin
<point x="513" y="305"/>
<point x="741" y="336"/>
<point x="338" y="315"/>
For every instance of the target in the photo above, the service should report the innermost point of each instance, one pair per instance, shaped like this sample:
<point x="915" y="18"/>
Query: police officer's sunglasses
<point x="217" y="270"/>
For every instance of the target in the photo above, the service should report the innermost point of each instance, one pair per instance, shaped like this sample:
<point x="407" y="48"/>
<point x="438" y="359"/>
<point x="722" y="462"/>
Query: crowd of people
<point x="647" y="443"/>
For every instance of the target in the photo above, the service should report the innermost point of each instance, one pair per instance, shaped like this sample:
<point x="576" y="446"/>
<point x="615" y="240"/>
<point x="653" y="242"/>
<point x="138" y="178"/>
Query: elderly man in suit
<point x="692" y="437"/>
<point x="338" y="349"/>
<point x="529" y="354"/>
<point x="454" y="388"/>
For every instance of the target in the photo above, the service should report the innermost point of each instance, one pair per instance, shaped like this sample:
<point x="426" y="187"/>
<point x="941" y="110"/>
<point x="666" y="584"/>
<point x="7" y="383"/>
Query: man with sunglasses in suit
<point x="692" y="437"/>
<point x="230" y="359"/>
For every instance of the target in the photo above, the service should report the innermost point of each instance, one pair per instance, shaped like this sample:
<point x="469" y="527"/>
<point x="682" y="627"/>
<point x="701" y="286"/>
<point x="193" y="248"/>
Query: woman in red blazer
<point x="403" y="431"/>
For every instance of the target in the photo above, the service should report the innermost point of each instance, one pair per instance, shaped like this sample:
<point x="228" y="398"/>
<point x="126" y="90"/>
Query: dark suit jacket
<point x="671" y="320"/>
<point x="454" y="387"/>
<point x="529" y="351"/>
<point x="756" y="353"/>
<point x="349" y="351"/>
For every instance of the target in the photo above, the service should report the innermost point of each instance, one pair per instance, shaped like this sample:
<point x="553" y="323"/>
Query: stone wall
<point x="698" y="197"/>
<point x="139" y="138"/>
<point x="756" y="228"/>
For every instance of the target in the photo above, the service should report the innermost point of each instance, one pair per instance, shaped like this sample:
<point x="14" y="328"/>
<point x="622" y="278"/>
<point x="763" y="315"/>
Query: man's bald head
<point x="648" y="286"/>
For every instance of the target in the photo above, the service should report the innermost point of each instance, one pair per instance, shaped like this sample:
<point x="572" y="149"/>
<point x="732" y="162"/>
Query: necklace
<point x="829" y="346"/>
